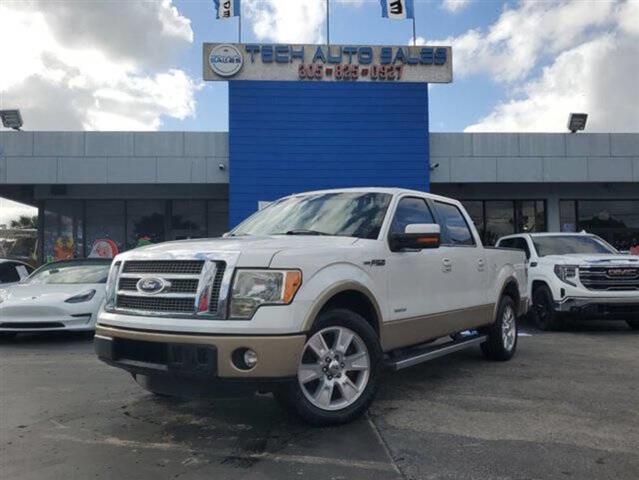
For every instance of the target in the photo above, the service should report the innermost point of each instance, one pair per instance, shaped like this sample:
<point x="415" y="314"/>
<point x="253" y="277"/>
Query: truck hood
<point x="592" y="259"/>
<point x="253" y="251"/>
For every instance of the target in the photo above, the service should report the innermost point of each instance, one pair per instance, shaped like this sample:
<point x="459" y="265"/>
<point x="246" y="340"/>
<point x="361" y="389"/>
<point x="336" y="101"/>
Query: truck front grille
<point x="185" y="267"/>
<point x="180" y="296"/>
<point x="157" y="304"/>
<point x="612" y="278"/>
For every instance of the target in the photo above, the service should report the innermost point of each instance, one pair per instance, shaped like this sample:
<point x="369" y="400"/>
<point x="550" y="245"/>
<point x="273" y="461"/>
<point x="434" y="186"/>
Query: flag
<point x="227" y="8"/>
<point x="397" y="9"/>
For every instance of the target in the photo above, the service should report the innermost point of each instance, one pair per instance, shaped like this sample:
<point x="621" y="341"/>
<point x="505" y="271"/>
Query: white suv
<point x="577" y="274"/>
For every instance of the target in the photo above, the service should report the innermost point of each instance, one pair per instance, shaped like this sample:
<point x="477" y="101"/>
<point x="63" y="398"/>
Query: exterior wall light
<point x="11" y="119"/>
<point x="577" y="121"/>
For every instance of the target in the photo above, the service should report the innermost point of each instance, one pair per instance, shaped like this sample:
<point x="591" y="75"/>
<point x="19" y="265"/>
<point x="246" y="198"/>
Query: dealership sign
<point x="427" y="64"/>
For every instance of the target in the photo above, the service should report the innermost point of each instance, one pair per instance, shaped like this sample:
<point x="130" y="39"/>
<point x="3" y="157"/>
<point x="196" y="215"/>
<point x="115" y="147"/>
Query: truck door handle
<point x="481" y="264"/>
<point x="447" y="265"/>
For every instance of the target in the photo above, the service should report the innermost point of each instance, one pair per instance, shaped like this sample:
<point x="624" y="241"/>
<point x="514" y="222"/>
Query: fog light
<point x="250" y="358"/>
<point x="244" y="358"/>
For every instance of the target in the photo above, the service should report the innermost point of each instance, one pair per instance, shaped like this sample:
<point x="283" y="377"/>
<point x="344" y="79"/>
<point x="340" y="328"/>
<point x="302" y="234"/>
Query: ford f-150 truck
<point x="577" y="275"/>
<point x="309" y="298"/>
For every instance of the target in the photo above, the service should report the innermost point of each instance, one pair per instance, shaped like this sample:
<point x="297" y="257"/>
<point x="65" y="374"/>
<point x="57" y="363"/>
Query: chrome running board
<point x="424" y="354"/>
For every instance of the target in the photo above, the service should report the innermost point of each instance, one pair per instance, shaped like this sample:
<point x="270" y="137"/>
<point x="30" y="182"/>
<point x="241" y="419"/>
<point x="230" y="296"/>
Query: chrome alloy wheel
<point x="334" y="369"/>
<point x="508" y="328"/>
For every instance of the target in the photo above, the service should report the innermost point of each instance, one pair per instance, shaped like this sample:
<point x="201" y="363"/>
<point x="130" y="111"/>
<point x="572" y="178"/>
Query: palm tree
<point x="24" y="221"/>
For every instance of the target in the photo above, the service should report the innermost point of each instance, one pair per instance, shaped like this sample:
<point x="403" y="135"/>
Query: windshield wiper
<point x="303" y="231"/>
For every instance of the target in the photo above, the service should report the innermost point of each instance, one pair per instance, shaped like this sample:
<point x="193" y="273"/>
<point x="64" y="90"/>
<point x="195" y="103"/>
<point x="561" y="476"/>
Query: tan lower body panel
<point x="411" y="331"/>
<point x="278" y="356"/>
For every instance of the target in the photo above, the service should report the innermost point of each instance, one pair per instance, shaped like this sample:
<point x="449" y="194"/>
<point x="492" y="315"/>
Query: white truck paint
<point x="407" y="265"/>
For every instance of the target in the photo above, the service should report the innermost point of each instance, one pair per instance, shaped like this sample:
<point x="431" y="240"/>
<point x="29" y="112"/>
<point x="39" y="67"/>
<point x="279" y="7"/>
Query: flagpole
<point x="328" y="23"/>
<point x="414" y="34"/>
<point x="239" y="29"/>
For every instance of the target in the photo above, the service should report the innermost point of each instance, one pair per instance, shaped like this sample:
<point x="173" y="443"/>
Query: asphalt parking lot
<point x="566" y="407"/>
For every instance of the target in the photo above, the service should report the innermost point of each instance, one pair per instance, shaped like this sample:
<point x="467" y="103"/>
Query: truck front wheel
<point x="338" y="374"/>
<point x="543" y="312"/>
<point x="502" y="335"/>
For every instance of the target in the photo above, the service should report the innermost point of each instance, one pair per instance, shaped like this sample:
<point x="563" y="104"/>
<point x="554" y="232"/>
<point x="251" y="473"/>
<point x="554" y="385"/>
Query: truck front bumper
<point x="198" y="357"/>
<point x="600" y="307"/>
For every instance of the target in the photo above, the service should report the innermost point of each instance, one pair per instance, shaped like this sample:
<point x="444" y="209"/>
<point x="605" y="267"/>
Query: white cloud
<point x="553" y="58"/>
<point x="95" y="65"/>
<point x="455" y="6"/>
<point x="281" y="21"/>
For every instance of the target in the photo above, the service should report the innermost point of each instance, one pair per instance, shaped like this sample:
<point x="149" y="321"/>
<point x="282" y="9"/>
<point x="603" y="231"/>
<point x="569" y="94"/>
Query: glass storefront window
<point x="218" y="217"/>
<point x="145" y="222"/>
<point x="567" y="216"/>
<point x="616" y="221"/>
<point x="530" y="215"/>
<point x="188" y="219"/>
<point x="63" y="230"/>
<point x="500" y="220"/>
<point x="104" y="224"/>
<point x="475" y="209"/>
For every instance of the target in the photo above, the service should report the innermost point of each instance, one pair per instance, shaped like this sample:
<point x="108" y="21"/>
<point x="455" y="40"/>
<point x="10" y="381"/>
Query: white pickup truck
<point x="309" y="298"/>
<point x="577" y="275"/>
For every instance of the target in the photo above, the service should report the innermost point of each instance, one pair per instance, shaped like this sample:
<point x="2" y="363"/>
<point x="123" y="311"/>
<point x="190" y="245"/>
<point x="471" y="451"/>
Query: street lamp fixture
<point x="577" y="121"/>
<point x="11" y="119"/>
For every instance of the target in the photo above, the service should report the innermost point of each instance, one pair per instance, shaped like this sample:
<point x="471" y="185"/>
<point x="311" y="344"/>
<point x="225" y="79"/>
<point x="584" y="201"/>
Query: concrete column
<point x="552" y="212"/>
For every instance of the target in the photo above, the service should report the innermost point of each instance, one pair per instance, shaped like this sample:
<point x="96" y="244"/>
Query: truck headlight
<point x="112" y="286"/>
<point x="253" y="288"/>
<point x="567" y="274"/>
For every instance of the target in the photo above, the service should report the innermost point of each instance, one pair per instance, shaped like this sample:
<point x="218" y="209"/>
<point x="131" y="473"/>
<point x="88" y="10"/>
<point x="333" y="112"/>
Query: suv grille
<point x="610" y="278"/>
<point x="184" y="277"/>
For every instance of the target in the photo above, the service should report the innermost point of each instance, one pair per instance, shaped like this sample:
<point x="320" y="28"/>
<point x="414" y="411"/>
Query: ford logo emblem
<point x="151" y="285"/>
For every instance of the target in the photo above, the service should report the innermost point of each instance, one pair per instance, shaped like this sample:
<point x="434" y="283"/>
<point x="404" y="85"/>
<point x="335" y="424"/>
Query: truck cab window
<point x="411" y="210"/>
<point x="455" y="230"/>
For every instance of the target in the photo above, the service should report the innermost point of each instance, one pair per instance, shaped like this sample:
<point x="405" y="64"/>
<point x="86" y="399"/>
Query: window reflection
<point x="616" y="221"/>
<point x="145" y="222"/>
<point x="63" y="232"/>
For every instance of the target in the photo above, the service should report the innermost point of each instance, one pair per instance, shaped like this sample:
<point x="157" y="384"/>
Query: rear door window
<point x="455" y="229"/>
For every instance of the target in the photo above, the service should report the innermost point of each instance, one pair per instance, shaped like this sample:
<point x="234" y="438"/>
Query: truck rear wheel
<point x="543" y="312"/>
<point x="502" y="335"/>
<point x="338" y="374"/>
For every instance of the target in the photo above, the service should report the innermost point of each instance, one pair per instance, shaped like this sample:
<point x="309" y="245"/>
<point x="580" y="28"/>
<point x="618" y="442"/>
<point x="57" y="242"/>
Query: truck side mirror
<point x="416" y="236"/>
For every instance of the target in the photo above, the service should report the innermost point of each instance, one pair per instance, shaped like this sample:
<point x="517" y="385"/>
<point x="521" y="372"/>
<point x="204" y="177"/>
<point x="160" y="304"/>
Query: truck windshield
<point x="344" y="214"/>
<point x="567" y="244"/>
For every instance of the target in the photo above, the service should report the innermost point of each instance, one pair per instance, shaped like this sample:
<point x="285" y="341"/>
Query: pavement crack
<point x="385" y="446"/>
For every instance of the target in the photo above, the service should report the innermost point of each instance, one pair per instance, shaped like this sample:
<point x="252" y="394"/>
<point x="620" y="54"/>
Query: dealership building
<point x="285" y="136"/>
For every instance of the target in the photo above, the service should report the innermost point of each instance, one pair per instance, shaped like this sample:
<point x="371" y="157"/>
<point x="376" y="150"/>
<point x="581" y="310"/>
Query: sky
<point x="136" y="64"/>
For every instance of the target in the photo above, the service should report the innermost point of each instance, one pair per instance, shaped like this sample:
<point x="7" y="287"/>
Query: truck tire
<point x="633" y="324"/>
<point x="338" y="374"/>
<point x="502" y="335"/>
<point x="543" y="312"/>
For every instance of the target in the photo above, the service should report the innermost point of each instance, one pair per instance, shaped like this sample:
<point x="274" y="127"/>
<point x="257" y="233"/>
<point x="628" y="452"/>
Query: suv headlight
<point x="253" y="288"/>
<point x="567" y="274"/>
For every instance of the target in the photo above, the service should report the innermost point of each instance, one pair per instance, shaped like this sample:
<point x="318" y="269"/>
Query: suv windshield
<point x="70" y="273"/>
<point x="345" y="214"/>
<point x="567" y="244"/>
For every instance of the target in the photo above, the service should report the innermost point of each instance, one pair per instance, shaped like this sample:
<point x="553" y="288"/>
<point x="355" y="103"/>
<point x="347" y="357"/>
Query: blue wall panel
<point x="287" y="137"/>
